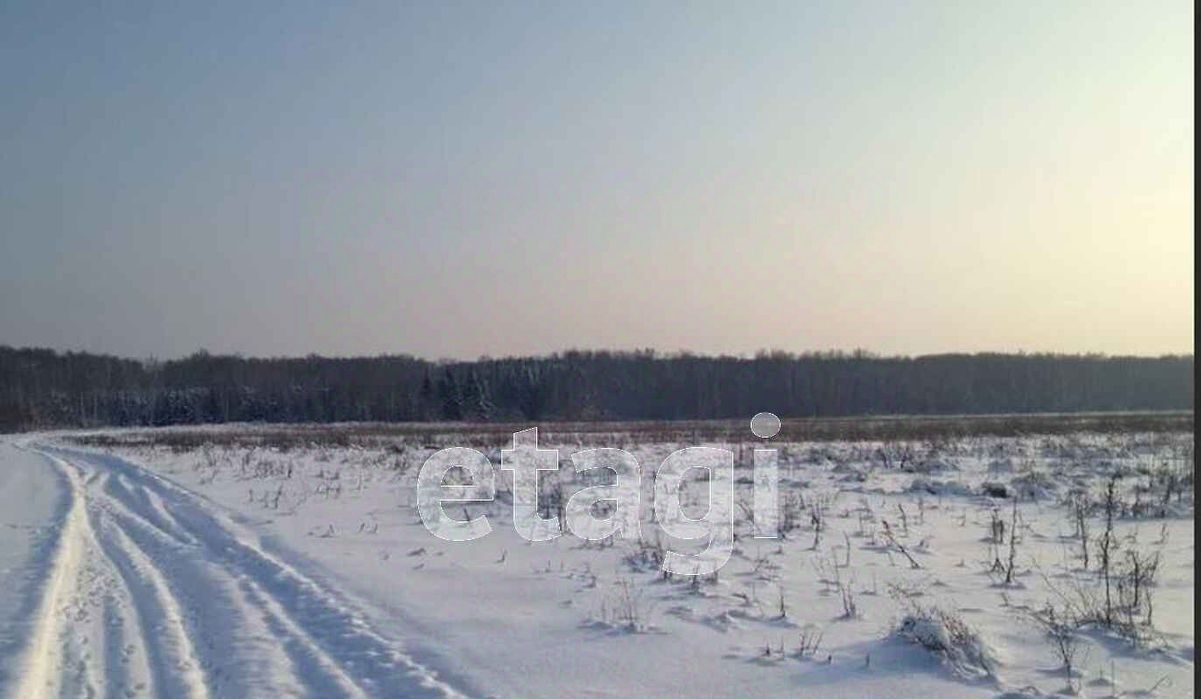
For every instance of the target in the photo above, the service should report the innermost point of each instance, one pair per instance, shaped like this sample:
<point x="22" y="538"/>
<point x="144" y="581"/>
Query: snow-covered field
<point x="243" y="565"/>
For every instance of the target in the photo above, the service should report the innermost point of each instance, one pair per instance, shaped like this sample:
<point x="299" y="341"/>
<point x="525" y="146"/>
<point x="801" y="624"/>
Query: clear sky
<point x="457" y="179"/>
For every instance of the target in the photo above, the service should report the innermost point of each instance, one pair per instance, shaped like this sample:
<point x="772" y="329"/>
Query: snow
<point x="253" y="570"/>
<point x="152" y="590"/>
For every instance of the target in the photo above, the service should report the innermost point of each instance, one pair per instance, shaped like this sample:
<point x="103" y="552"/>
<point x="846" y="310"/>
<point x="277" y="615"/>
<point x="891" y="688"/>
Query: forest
<point x="43" y="388"/>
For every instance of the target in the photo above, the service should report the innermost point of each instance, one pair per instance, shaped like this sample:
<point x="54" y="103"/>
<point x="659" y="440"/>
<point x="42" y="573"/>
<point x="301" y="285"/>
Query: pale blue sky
<point x="457" y="179"/>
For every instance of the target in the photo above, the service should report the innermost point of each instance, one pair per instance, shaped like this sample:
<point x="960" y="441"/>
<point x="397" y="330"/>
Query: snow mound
<point x="935" y="486"/>
<point x="949" y="636"/>
<point x="1035" y="485"/>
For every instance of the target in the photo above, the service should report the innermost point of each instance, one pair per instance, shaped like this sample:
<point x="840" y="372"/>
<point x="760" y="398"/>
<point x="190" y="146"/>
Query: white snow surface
<point x="239" y="571"/>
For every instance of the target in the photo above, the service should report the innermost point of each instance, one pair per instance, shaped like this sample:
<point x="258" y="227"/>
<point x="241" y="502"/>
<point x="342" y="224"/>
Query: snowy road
<point x="133" y="586"/>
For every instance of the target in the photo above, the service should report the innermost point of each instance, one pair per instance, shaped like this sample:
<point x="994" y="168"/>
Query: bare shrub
<point x="846" y="594"/>
<point x="1013" y="545"/>
<point x="899" y="546"/>
<point x="946" y="634"/>
<point x="625" y="607"/>
<point x="1107" y="545"/>
<point x="811" y="640"/>
<point x="1060" y="629"/>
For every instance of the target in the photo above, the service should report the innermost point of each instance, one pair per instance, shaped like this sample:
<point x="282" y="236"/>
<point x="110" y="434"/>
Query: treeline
<point x="41" y="388"/>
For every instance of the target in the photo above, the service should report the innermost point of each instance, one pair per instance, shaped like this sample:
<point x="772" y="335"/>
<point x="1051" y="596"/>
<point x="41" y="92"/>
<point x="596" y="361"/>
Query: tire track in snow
<point x="173" y="599"/>
<point x="42" y="666"/>
<point x="175" y="666"/>
<point x="141" y="504"/>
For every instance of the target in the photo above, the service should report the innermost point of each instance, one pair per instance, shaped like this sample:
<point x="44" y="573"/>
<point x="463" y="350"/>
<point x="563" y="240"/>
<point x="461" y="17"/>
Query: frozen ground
<point x="235" y="565"/>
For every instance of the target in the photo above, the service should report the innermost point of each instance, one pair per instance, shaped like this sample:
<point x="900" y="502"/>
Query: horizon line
<point x="763" y="353"/>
